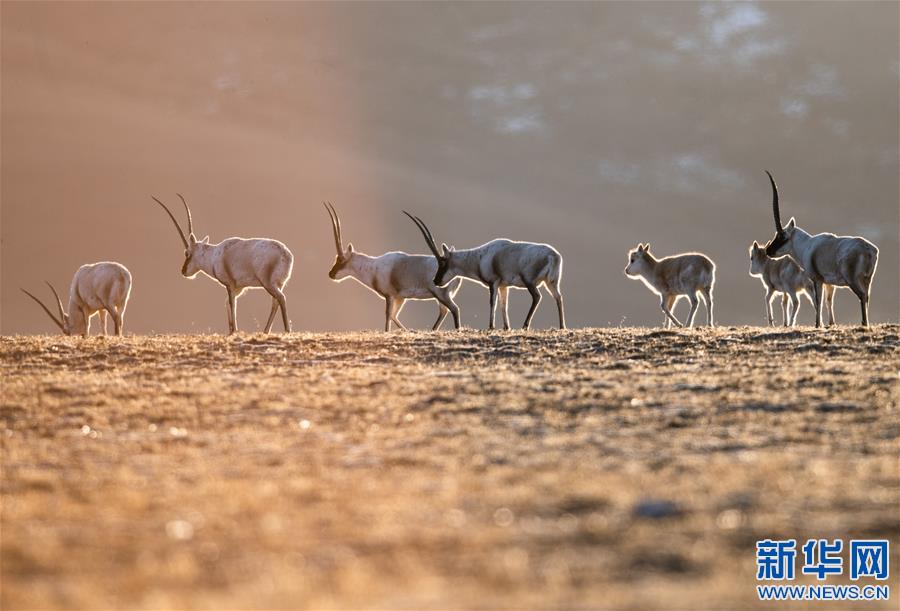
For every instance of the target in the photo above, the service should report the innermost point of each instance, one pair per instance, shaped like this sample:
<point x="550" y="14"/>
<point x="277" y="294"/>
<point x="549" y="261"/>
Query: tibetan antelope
<point x="238" y="264"/>
<point x="782" y="275"/>
<point x="826" y="259"/>
<point x="395" y="276"/>
<point x="97" y="288"/>
<point x="687" y="274"/>
<point x="499" y="265"/>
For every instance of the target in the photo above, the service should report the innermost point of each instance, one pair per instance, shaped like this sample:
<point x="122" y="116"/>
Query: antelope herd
<point x="792" y="263"/>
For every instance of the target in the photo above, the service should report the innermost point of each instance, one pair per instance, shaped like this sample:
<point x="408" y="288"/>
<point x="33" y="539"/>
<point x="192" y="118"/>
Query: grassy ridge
<point x="596" y="467"/>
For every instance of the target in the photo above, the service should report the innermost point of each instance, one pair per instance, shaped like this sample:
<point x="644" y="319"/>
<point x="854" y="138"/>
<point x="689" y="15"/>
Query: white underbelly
<point x="416" y="294"/>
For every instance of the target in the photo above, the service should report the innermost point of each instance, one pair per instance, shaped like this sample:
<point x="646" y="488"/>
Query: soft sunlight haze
<point x="587" y="126"/>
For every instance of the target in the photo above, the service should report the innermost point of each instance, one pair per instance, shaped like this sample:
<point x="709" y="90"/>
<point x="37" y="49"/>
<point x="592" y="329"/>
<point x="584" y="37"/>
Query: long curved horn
<point x="426" y="233"/>
<point x="335" y="229"/>
<point x="177" y="226"/>
<point x="62" y="312"/>
<point x="188" y="210"/>
<point x="337" y="220"/>
<point x="775" y="211"/>
<point x="46" y="309"/>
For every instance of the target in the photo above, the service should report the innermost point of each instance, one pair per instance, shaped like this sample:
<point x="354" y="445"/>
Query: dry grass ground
<point x="602" y="468"/>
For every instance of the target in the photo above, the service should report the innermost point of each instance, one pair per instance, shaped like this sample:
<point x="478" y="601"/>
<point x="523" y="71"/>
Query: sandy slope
<point x="608" y="468"/>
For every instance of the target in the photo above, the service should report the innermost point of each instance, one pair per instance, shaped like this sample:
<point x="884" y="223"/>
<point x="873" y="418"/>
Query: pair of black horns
<point x="190" y="220"/>
<point x="62" y="313"/>
<point x="335" y="227"/>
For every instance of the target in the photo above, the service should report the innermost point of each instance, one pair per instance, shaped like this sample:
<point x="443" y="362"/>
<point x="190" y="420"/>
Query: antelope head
<point x="339" y="270"/>
<point x="63" y="322"/>
<point x="757" y="258"/>
<point x="444" y="256"/>
<point x="190" y="268"/>
<point x="779" y="244"/>
<point x="638" y="260"/>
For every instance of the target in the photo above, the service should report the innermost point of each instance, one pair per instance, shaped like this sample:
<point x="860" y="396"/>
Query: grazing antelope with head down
<point x="238" y="264"/>
<point x="782" y="275"/>
<point x="826" y="259"/>
<point x="96" y="288"/>
<point x="687" y="274"/>
<point x="395" y="276"/>
<point x="499" y="265"/>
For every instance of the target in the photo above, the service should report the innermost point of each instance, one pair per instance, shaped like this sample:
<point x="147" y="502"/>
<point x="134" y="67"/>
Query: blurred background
<point x="589" y="126"/>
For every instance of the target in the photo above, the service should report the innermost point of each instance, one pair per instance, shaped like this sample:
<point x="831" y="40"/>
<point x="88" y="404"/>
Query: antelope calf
<point x="782" y="275"/>
<point x="97" y="288"/>
<point x="394" y="276"/>
<point x="499" y="265"/>
<point x="826" y="258"/>
<point x="687" y="275"/>
<point x="238" y="264"/>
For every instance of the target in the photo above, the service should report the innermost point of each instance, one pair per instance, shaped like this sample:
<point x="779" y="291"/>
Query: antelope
<point x="826" y="258"/>
<point x="395" y="276"/>
<point x="238" y="264"/>
<point x="687" y="275"/>
<point x="499" y="265"/>
<point x="101" y="288"/>
<point x="783" y="276"/>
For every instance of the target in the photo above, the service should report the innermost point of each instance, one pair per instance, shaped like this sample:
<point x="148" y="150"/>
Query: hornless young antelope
<point x="96" y="288"/>
<point x="826" y="259"/>
<point x="499" y="265"/>
<point x="687" y="274"/>
<point x="238" y="264"/>
<point x="783" y="276"/>
<point x="395" y="276"/>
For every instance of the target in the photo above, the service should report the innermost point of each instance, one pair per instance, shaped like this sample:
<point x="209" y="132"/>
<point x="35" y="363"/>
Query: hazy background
<point x="587" y="126"/>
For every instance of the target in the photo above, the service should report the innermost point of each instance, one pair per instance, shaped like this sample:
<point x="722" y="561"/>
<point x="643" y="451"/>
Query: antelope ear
<point x="790" y="224"/>
<point x="647" y="247"/>
<point x="192" y="239"/>
<point x="446" y="250"/>
<point x="755" y="244"/>
<point x="350" y="247"/>
<point x="205" y="240"/>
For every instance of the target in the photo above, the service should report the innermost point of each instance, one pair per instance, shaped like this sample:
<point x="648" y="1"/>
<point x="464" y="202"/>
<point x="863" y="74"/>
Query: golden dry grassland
<point x="609" y="468"/>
